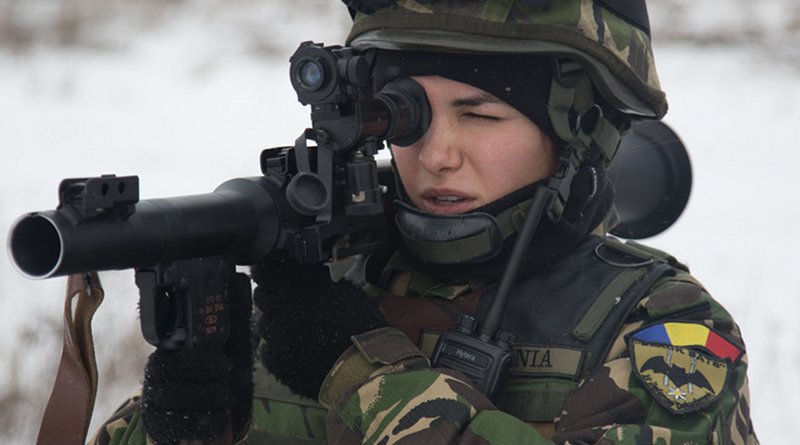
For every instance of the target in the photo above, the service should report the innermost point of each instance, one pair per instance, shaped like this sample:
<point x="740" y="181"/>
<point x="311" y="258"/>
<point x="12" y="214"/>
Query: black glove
<point x="307" y="321"/>
<point x="195" y="394"/>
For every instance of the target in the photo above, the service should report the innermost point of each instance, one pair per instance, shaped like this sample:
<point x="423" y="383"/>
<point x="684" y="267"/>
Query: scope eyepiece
<point x="409" y="110"/>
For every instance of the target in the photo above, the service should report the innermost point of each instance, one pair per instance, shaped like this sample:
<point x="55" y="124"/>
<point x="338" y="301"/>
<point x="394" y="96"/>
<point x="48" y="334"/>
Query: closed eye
<point x="483" y="117"/>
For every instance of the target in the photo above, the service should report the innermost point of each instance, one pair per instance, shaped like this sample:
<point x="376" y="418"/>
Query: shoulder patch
<point x="683" y="365"/>
<point x="692" y="335"/>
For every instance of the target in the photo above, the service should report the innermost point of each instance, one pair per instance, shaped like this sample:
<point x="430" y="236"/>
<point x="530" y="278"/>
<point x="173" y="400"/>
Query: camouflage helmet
<point x="610" y="39"/>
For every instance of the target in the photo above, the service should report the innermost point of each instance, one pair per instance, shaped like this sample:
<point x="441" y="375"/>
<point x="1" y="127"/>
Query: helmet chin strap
<point x="578" y="120"/>
<point x="456" y="239"/>
<point x="575" y="114"/>
<point x="479" y="236"/>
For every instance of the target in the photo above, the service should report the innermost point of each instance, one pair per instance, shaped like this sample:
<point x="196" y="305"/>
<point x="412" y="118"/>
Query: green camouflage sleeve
<point x="382" y="390"/>
<point x="124" y="427"/>
<point x="697" y="393"/>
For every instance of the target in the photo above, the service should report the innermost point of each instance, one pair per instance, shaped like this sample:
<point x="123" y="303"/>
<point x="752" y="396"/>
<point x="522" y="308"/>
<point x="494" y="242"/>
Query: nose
<point x="439" y="148"/>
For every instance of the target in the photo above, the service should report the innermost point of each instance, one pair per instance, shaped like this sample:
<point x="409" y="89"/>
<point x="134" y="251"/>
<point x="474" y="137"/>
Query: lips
<point x="447" y="201"/>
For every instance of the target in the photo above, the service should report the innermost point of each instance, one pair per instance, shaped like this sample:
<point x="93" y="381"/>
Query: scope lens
<point x="310" y="75"/>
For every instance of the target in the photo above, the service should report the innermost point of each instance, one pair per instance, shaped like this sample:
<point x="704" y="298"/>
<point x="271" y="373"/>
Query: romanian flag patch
<point x="683" y="365"/>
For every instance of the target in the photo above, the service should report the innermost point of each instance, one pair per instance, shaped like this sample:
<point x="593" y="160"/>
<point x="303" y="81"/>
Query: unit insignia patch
<point x="682" y="369"/>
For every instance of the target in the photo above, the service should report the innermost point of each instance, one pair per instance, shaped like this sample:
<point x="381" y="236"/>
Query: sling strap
<point x="69" y="410"/>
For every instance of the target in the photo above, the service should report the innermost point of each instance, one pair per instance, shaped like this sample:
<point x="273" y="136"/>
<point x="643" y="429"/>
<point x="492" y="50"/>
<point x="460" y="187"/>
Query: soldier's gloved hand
<point x="195" y="394"/>
<point x="307" y="321"/>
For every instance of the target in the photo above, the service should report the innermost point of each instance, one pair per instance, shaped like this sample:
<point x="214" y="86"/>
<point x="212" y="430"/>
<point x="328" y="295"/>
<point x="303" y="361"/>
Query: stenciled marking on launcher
<point x="212" y="307"/>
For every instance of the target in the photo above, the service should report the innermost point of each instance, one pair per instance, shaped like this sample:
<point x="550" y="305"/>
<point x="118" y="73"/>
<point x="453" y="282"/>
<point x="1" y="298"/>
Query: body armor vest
<point x="565" y="319"/>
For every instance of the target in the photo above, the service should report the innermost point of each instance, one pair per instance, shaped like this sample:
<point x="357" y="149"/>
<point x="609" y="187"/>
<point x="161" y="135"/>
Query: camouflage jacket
<point x="672" y="371"/>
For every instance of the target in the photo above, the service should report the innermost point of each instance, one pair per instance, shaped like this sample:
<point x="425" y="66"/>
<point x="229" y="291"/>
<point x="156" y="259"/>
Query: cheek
<point x="406" y="162"/>
<point x="401" y="157"/>
<point x="514" y="160"/>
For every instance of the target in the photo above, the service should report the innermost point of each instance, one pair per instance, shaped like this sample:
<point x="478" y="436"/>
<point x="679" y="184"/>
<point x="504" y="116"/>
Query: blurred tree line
<point x="112" y="24"/>
<point x="28" y="23"/>
<point x="106" y="24"/>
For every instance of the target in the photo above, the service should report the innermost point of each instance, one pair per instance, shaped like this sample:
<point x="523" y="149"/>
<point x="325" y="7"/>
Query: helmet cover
<point x="610" y="38"/>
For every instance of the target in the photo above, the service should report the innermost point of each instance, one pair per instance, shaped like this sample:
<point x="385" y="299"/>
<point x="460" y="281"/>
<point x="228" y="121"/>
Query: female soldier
<point x="613" y="342"/>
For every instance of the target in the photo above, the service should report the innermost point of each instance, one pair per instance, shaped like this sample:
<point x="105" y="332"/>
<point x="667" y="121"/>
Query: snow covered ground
<point x="185" y="110"/>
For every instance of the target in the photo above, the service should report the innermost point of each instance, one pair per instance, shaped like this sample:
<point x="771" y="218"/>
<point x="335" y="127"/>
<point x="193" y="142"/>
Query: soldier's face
<point x="477" y="150"/>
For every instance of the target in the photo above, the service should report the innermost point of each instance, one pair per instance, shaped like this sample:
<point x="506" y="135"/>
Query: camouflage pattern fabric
<point x="610" y="406"/>
<point x="382" y="396"/>
<point x="620" y="55"/>
<point x="124" y="426"/>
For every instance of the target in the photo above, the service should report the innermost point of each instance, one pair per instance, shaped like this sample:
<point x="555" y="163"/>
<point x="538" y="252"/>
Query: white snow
<point x="186" y="111"/>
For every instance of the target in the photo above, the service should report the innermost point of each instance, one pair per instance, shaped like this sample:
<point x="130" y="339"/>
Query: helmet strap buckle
<point x="560" y="185"/>
<point x="568" y="72"/>
<point x="576" y="116"/>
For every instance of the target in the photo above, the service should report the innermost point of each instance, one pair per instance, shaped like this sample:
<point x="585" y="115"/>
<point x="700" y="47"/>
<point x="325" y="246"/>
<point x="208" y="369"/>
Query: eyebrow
<point x="475" y="101"/>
